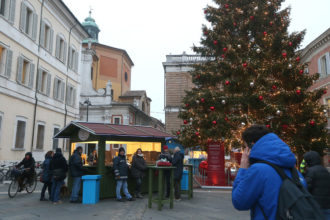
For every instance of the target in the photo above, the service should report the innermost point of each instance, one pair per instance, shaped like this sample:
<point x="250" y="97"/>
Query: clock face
<point x="83" y="135"/>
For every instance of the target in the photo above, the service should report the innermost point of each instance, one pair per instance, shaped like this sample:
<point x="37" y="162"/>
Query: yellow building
<point x="40" y="49"/>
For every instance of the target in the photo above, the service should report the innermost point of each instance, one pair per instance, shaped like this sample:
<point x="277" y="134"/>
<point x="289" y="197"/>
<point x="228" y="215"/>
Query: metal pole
<point x="87" y="111"/>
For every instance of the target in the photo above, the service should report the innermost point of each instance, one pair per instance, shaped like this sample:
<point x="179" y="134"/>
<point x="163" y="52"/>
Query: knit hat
<point x="165" y="147"/>
<point x="121" y="149"/>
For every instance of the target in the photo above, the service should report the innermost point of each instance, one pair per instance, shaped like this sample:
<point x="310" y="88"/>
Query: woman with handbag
<point x="46" y="177"/>
<point x="59" y="167"/>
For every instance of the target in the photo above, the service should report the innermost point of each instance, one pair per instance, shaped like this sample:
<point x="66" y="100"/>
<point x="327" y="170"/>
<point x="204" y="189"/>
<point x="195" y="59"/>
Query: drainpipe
<point x="121" y="75"/>
<point x="67" y="78"/>
<point x="36" y="91"/>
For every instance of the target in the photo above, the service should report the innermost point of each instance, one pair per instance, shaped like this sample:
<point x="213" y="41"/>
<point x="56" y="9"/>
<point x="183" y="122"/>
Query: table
<point x="160" y="200"/>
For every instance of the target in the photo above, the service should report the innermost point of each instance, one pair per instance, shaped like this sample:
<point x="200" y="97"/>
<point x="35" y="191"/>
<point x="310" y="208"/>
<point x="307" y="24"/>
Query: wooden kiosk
<point x="106" y="136"/>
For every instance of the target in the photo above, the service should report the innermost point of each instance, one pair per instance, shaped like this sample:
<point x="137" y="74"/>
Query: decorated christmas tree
<point x="252" y="75"/>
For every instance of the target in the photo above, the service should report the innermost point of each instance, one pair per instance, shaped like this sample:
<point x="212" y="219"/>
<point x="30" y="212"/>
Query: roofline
<point x="114" y="48"/>
<point x="316" y="43"/>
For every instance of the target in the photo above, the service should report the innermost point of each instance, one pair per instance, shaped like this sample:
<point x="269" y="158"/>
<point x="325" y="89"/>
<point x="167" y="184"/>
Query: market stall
<point x="106" y="139"/>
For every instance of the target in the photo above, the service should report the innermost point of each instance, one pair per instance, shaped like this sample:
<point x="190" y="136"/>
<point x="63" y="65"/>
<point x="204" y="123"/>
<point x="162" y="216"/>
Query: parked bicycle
<point x="28" y="184"/>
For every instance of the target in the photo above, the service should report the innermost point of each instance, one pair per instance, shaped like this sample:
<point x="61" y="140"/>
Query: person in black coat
<point x="178" y="163"/>
<point x="165" y="155"/>
<point x="76" y="171"/>
<point x="58" y="167"/>
<point x="46" y="176"/>
<point x="318" y="181"/>
<point x="121" y="174"/>
<point x="138" y="168"/>
<point x="28" y="164"/>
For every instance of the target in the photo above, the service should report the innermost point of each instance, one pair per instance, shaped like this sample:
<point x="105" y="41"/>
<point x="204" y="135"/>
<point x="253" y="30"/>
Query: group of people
<point x="258" y="185"/>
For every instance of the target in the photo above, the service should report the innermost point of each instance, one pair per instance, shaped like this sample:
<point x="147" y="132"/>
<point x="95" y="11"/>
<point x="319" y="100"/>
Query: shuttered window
<point x="20" y="134"/>
<point x="7" y="9"/>
<point x="6" y="58"/>
<point x="55" y="140"/>
<point x="71" y="95"/>
<point x="40" y="136"/>
<point x="28" y="21"/>
<point x="25" y="72"/>
<point x="73" y="59"/>
<point x="44" y="82"/>
<point x="61" y="48"/>
<point x="59" y="87"/>
<point x="46" y="36"/>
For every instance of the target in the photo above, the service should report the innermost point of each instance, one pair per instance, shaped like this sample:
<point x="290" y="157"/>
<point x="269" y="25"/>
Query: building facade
<point x="177" y="80"/>
<point x="40" y="49"/>
<point x="316" y="56"/>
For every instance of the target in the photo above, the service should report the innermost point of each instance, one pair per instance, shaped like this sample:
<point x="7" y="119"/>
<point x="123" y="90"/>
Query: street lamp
<point x="88" y="103"/>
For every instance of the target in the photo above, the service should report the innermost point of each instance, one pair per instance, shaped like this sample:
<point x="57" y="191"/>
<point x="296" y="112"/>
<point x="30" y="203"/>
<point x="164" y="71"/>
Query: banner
<point x="216" y="165"/>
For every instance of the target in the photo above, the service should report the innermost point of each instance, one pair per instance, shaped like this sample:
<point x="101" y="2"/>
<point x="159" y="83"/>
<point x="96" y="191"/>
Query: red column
<point x="216" y="165"/>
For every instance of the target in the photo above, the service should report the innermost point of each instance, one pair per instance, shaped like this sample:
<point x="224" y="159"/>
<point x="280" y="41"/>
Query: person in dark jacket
<point x="178" y="163"/>
<point x="76" y="171"/>
<point x="165" y="155"/>
<point x="92" y="158"/>
<point x="318" y="181"/>
<point x="59" y="168"/>
<point x="138" y="168"/>
<point x="257" y="185"/>
<point x="121" y="174"/>
<point x="46" y="176"/>
<point x="28" y="164"/>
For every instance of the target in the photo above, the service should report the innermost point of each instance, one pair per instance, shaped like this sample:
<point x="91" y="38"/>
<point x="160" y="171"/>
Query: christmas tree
<point x="252" y="75"/>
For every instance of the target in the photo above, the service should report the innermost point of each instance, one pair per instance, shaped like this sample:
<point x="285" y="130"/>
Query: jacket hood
<point x="272" y="149"/>
<point x="29" y="153"/>
<point x="312" y="158"/>
<point x="57" y="155"/>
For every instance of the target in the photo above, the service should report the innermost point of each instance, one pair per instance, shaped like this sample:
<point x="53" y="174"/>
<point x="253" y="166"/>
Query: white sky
<point x="150" y="29"/>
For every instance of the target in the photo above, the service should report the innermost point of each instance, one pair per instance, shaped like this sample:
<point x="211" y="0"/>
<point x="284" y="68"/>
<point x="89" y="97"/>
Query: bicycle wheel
<point x="13" y="188"/>
<point x="30" y="187"/>
<point x="8" y="175"/>
<point x="2" y="176"/>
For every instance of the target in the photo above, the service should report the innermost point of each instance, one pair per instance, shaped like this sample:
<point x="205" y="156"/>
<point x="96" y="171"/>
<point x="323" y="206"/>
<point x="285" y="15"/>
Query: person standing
<point x="121" y="174"/>
<point x="177" y="162"/>
<point x="138" y="168"/>
<point x="165" y="155"/>
<point x="92" y="158"/>
<point x="58" y="167"/>
<point x="76" y="171"/>
<point x="46" y="176"/>
<point x="318" y="181"/>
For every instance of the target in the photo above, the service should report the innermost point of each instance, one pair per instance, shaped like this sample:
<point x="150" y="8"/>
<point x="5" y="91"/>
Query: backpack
<point x="294" y="201"/>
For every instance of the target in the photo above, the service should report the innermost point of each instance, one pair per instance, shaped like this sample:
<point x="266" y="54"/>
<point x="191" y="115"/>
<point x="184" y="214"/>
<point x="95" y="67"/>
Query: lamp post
<point x="88" y="103"/>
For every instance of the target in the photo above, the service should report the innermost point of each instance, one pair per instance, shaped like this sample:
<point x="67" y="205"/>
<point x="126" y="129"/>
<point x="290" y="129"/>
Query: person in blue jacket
<point x="257" y="185"/>
<point x="46" y="176"/>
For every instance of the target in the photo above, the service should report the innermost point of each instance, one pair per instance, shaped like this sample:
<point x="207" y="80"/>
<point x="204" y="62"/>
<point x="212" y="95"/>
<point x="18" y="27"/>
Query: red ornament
<point x="226" y="6"/>
<point x="202" y="100"/>
<point x="261" y="97"/>
<point x="268" y="126"/>
<point x="206" y="32"/>
<point x="223" y="56"/>
<point x="226" y="119"/>
<point x="251" y="17"/>
<point x="212" y="108"/>
<point x="197" y="133"/>
<point x="284" y="55"/>
<point x="198" y="76"/>
<point x="312" y="122"/>
<point x="301" y="71"/>
<point x="224" y="49"/>
<point x="244" y="65"/>
<point x="178" y="132"/>
<point x="214" y="122"/>
<point x="227" y="82"/>
<point x="271" y="23"/>
<point x="185" y="122"/>
<point x="205" y="11"/>
<point x="285" y="126"/>
<point x="298" y="91"/>
<point x="265" y="33"/>
<point x="290" y="43"/>
<point x="274" y="87"/>
<point x="187" y="105"/>
<point x="325" y="91"/>
<point x="215" y="42"/>
<point x="235" y="24"/>
<point x="298" y="59"/>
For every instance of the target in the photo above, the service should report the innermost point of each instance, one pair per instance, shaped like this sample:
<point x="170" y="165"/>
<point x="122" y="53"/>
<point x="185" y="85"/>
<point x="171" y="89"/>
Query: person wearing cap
<point x="121" y="174"/>
<point x="165" y="155"/>
<point x="29" y="164"/>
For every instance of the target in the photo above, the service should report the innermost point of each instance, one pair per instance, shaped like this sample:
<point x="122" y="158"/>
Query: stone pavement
<point x="206" y="204"/>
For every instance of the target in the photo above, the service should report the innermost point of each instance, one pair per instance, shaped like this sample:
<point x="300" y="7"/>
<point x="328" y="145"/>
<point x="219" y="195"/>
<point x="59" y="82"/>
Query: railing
<point x="187" y="58"/>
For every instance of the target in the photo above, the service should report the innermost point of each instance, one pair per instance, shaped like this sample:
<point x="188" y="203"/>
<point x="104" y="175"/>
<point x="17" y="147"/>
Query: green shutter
<point x="42" y="34"/>
<point x="49" y="80"/>
<point x="19" y="69"/>
<point x="22" y="24"/>
<point x="51" y="36"/>
<point x="9" y="60"/>
<point x="39" y="82"/>
<point x="31" y="75"/>
<point x="12" y="8"/>
<point x="34" y="26"/>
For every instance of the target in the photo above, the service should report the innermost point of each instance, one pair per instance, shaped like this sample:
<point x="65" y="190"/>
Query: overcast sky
<point x="150" y="29"/>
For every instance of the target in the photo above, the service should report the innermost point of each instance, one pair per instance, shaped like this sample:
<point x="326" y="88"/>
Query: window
<point x="7" y="9"/>
<point x="73" y="59"/>
<point x="92" y="72"/>
<point x="116" y="121"/>
<point x="67" y="144"/>
<point x="20" y="133"/>
<point x="29" y="20"/>
<point x="25" y="72"/>
<point x="324" y="64"/>
<point x="46" y="36"/>
<point x="55" y="140"/>
<point x="126" y="77"/>
<point x="44" y="81"/>
<point x="59" y="89"/>
<point x="71" y="95"/>
<point x="40" y="136"/>
<point x="143" y="107"/>
<point x="6" y="57"/>
<point x="61" y="47"/>
<point x="115" y="146"/>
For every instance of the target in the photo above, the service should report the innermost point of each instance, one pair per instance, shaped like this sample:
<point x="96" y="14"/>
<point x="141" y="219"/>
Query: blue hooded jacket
<point x="259" y="185"/>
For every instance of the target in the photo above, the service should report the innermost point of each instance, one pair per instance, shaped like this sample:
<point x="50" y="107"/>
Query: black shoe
<point x="138" y="195"/>
<point x="120" y="200"/>
<point x="43" y="199"/>
<point x="131" y="199"/>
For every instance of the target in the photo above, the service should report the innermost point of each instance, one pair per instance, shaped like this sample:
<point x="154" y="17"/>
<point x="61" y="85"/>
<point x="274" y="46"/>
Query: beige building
<point x="40" y="49"/>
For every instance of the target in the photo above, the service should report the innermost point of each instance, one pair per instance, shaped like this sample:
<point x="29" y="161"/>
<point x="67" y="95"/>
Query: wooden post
<point x="101" y="163"/>
<point x="172" y="187"/>
<point x="150" y="188"/>
<point x="160" y="187"/>
<point x="190" y="182"/>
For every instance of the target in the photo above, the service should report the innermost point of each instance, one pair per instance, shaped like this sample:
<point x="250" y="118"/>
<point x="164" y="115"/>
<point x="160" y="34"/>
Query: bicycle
<point x="29" y="186"/>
